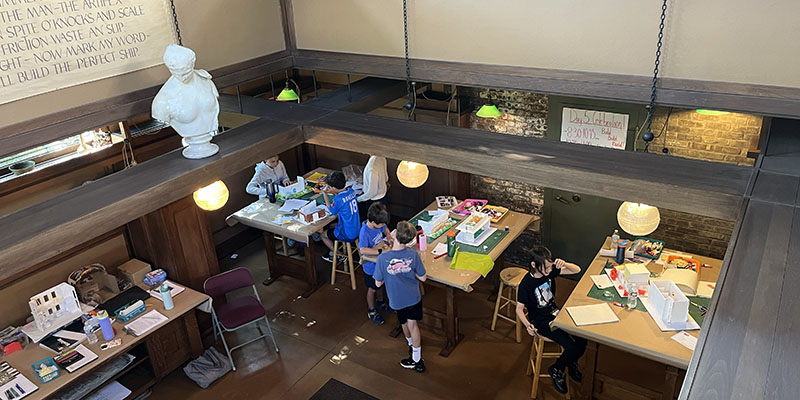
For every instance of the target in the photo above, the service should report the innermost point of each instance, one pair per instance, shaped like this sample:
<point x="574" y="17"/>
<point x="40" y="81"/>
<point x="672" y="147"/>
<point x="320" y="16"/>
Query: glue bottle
<point x="166" y="295"/>
<point x="105" y="325"/>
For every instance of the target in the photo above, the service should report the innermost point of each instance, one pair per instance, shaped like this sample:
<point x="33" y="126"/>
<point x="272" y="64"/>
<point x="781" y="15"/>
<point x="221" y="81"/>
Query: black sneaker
<point x="559" y="379"/>
<point x="328" y="257"/>
<point x="410" y="364"/>
<point x="575" y="372"/>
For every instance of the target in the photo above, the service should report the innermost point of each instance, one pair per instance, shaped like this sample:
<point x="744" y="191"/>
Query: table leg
<point x="193" y="333"/>
<point x="311" y="271"/>
<point x="452" y="335"/>
<point x="590" y="360"/>
<point x="670" y="380"/>
<point x="269" y="243"/>
<point x="494" y="276"/>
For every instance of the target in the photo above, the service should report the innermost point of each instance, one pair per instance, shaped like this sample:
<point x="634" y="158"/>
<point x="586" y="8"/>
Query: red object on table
<point x="12" y="347"/>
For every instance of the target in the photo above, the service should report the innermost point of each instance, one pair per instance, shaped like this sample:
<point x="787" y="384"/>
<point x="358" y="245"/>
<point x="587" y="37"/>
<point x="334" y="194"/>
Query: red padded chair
<point x="238" y="312"/>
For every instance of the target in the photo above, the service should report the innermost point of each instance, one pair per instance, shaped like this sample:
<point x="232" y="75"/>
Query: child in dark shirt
<point x="536" y="292"/>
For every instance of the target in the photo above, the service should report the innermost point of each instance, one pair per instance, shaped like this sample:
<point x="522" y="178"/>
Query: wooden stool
<point x="350" y="250"/>
<point x="535" y="363"/>
<point x="509" y="279"/>
<point x="284" y="245"/>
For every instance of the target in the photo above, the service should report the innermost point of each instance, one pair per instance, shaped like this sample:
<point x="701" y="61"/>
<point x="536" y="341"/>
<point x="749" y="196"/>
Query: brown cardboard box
<point x="134" y="270"/>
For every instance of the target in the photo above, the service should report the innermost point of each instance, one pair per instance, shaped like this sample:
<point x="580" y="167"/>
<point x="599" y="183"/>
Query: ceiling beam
<point x="685" y="93"/>
<point x="693" y="186"/>
<point x="47" y="229"/>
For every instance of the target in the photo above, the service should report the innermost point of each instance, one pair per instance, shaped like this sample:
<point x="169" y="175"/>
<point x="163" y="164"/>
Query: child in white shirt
<point x="271" y="168"/>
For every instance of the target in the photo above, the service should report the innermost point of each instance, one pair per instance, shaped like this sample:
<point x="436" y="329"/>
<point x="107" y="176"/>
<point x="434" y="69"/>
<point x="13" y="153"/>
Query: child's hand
<point x="559" y="263"/>
<point x="532" y="330"/>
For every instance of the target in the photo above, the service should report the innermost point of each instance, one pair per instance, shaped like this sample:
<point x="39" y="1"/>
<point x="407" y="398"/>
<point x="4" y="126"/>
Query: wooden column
<point x="177" y="238"/>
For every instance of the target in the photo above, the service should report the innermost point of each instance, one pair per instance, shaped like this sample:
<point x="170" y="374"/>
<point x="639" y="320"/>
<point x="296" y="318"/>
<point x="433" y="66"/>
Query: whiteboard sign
<point x="47" y="45"/>
<point x="595" y="128"/>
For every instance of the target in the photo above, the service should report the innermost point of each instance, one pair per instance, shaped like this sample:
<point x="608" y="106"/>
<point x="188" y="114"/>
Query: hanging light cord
<point x="175" y="20"/>
<point x="652" y="105"/>
<point x="412" y="99"/>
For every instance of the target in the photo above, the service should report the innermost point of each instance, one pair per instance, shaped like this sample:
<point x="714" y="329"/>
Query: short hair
<point x="377" y="213"/>
<point x="405" y="232"/>
<point x="336" y="179"/>
<point x="541" y="254"/>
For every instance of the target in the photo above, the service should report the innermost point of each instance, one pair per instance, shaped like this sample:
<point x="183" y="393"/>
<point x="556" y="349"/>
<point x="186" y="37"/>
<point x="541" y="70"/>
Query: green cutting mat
<point x="491" y="242"/>
<point x="694" y="311"/>
<point x="306" y="196"/>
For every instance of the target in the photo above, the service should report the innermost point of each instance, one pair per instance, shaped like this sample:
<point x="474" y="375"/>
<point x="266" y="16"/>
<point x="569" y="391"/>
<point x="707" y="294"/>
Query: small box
<point x="637" y="273"/>
<point x="134" y="270"/>
<point x="669" y="302"/>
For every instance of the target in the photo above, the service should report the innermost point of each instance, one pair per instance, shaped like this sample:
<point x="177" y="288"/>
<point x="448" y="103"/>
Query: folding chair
<point x="236" y="313"/>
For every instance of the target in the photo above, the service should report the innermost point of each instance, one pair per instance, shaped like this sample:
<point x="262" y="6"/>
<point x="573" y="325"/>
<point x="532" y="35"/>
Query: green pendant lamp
<point x="711" y="112"/>
<point x="288" y="94"/>
<point x="488" y="111"/>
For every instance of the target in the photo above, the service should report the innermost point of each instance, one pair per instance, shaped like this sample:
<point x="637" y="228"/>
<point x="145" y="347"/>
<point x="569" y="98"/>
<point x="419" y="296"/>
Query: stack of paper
<point x="592" y="314"/>
<point x="145" y="323"/>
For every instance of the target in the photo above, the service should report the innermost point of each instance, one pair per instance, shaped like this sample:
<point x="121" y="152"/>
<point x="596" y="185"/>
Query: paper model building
<point x="55" y="307"/>
<point x="296" y="187"/>
<point x="636" y="273"/>
<point x="669" y="302"/>
<point x="311" y="213"/>
<point x="473" y="227"/>
<point x="438" y="221"/>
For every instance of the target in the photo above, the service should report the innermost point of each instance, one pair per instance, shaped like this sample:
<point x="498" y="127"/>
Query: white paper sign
<point x="47" y="45"/>
<point x="595" y="128"/>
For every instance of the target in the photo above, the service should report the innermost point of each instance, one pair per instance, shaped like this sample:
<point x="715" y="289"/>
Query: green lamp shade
<point x="711" y="112"/>
<point x="488" y="111"/>
<point x="287" y="95"/>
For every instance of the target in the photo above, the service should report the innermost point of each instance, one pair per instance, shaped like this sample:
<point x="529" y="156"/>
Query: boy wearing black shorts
<point x="373" y="240"/>
<point x="400" y="268"/>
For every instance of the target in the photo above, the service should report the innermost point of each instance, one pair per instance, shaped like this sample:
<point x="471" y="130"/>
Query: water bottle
<point x="105" y="325"/>
<point x="270" y="187"/>
<point x="615" y="237"/>
<point x="621" y="245"/>
<point x="423" y="242"/>
<point x="633" y="295"/>
<point x="90" y="329"/>
<point x="451" y="244"/>
<point x="166" y="295"/>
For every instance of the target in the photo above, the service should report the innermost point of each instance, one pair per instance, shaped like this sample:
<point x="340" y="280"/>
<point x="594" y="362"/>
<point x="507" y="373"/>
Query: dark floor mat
<point x="335" y="390"/>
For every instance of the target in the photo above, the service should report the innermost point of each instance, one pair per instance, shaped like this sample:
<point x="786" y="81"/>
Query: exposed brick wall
<point x="692" y="233"/>
<point x="718" y="138"/>
<point x="724" y="138"/>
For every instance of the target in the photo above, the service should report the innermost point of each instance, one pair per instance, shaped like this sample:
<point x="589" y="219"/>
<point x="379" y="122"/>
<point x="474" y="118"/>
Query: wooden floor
<point x="313" y="332"/>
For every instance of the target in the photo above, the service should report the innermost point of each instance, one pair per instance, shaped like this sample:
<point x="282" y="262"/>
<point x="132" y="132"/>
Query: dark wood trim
<point x="50" y="127"/>
<point x="698" y="187"/>
<point x="287" y="21"/>
<point x="686" y="93"/>
<point x="46" y="229"/>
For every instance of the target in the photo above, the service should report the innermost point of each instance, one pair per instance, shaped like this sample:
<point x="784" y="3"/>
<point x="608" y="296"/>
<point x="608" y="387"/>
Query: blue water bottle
<point x="105" y="325"/>
<point x="166" y="295"/>
<point x="621" y="246"/>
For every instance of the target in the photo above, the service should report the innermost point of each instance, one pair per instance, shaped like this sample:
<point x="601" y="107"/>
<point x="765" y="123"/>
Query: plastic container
<point x="166" y="295"/>
<point x="633" y="295"/>
<point x="49" y="364"/>
<point x="90" y="328"/>
<point x="105" y="325"/>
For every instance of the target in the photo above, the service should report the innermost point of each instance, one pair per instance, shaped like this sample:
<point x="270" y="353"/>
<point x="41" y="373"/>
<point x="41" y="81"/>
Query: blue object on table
<point x="105" y="325"/>
<point x="621" y="246"/>
<point x="42" y="367"/>
<point x="154" y="278"/>
<point x="166" y="296"/>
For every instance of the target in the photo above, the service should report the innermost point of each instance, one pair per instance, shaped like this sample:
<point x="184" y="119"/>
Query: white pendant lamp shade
<point x="411" y="174"/>
<point x="211" y="197"/>
<point x="638" y="219"/>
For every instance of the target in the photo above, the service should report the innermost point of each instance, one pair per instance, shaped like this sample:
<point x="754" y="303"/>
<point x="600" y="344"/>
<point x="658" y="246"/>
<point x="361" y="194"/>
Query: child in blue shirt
<point x="345" y="206"/>
<point x="373" y="240"/>
<point x="400" y="268"/>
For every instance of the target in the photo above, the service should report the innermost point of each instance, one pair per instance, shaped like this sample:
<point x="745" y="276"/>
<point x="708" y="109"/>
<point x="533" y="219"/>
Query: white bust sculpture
<point x="188" y="102"/>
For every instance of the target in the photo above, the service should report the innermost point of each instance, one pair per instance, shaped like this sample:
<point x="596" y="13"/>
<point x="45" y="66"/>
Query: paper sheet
<point x="174" y="290"/>
<point x="440" y="249"/>
<point x="145" y="323"/>
<point x="592" y="314"/>
<point x="292" y="204"/>
<point x="685" y="339"/>
<point x="316" y="176"/>
<point x="112" y="391"/>
<point x="602" y="281"/>
<point x="88" y="356"/>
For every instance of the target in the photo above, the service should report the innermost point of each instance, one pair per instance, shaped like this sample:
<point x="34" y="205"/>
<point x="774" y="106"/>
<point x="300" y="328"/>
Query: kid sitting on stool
<point x="344" y="206"/>
<point x="537" y="293"/>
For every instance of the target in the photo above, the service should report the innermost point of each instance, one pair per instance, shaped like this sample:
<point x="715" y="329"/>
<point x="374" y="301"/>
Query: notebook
<point x="592" y="314"/>
<point x="174" y="290"/>
<point x="145" y="323"/>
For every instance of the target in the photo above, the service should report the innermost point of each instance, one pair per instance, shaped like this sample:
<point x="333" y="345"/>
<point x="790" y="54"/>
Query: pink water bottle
<point x="423" y="242"/>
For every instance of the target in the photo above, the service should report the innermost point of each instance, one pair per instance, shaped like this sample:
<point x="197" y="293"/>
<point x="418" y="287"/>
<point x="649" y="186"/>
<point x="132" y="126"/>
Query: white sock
<point x="416" y="354"/>
<point x="408" y="339"/>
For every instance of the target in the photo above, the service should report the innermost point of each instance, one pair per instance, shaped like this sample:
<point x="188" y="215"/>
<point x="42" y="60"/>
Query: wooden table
<point x="440" y="274"/>
<point x="635" y="333"/>
<point x="168" y="347"/>
<point x="260" y="215"/>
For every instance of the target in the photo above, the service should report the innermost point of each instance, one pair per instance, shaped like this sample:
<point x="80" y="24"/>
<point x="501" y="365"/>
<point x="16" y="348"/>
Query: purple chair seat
<point x="239" y="311"/>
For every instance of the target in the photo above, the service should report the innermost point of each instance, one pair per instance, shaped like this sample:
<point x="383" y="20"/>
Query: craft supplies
<point x="46" y="370"/>
<point x="109" y="345"/>
<point x="648" y="248"/>
<point x="446" y="202"/>
<point x="469" y="206"/>
<point x="495" y="213"/>
<point x="130" y="310"/>
<point x="618" y="304"/>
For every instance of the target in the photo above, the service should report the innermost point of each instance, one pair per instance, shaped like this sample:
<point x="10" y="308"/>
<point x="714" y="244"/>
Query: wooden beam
<point x="58" y="125"/>
<point x="46" y="229"/>
<point x="698" y="187"/>
<point x="758" y="99"/>
<point x="287" y="21"/>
